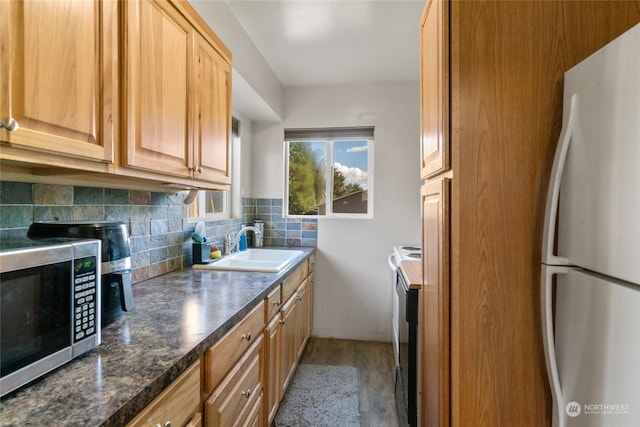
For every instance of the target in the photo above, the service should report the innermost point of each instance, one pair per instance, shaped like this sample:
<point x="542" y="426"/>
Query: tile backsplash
<point x="157" y="222"/>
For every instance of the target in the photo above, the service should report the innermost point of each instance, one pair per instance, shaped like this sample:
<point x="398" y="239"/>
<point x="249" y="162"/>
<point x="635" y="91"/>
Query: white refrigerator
<point x="591" y="244"/>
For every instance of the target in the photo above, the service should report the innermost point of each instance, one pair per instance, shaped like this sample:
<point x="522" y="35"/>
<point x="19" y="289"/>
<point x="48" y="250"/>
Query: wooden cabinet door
<point x="58" y="77"/>
<point x="434" y="81"/>
<point x="288" y="342"/>
<point x="303" y="310"/>
<point x="309" y="300"/>
<point x="212" y="114"/>
<point x="158" y="88"/>
<point x="272" y="387"/>
<point x="434" y="306"/>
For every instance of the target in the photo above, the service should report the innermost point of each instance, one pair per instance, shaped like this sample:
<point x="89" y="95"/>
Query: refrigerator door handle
<point x="553" y="194"/>
<point x="546" y="299"/>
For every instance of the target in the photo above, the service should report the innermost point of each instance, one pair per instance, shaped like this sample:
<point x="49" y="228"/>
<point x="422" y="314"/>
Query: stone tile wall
<point x="281" y="231"/>
<point x="157" y="222"/>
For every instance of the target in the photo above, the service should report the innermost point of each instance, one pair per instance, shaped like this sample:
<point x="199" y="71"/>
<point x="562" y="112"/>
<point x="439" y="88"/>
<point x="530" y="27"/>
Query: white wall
<point x="353" y="281"/>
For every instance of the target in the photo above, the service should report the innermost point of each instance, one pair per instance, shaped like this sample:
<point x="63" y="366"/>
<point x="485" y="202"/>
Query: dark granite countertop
<point x="176" y="318"/>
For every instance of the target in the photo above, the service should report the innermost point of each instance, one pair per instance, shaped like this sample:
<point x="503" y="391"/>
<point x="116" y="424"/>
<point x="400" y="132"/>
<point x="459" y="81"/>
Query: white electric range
<point x="399" y="254"/>
<point x="404" y="329"/>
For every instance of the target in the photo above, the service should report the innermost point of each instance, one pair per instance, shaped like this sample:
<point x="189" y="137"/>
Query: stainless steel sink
<point x="263" y="260"/>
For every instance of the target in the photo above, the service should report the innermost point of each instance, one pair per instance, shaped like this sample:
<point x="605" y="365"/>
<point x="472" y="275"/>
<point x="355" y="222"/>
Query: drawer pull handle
<point x="300" y="297"/>
<point x="166" y="424"/>
<point x="246" y="336"/>
<point x="282" y="322"/>
<point x="246" y="393"/>
<point x="276" y="303"/>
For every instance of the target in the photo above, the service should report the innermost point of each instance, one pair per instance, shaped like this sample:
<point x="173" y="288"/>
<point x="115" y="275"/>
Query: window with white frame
<point x="329" y="172"/>
<point x="210" y="205"/>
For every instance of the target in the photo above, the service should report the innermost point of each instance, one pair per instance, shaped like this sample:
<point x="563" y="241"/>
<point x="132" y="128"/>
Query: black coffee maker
<point x="116" y="259"/>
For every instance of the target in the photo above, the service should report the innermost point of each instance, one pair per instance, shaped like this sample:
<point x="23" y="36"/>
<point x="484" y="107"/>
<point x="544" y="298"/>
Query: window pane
<point x="350" y="176"/>
<point x="307" y="177"/>
<point x="329" y="175"/>
<point x="215" y="201"/>
<point x="209" y="204"/>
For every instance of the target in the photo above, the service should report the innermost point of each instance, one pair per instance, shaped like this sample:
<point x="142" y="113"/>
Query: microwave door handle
<point x="553" y="193"/>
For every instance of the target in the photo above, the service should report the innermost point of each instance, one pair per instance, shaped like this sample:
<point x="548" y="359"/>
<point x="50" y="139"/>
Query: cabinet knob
<point x="247" y="336"/>
<point x="282" y="322"/>
<point x="10" y="124"/>
<point x="276" y="303"/>
<point x="166" y="424"/>
<point x="199" y="169"/>
<point x="246" y="393"/>
<point x="300" y="297"/>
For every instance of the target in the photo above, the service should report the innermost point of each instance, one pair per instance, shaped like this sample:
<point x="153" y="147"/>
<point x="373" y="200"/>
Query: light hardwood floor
<point x="374" y="361"/>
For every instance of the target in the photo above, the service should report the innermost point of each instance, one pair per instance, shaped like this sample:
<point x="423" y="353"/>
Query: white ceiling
<point x="330" y="42"/>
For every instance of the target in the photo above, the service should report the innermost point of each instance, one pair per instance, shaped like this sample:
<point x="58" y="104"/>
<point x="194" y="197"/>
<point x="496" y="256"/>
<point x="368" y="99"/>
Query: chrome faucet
<point x="231" y="243"/>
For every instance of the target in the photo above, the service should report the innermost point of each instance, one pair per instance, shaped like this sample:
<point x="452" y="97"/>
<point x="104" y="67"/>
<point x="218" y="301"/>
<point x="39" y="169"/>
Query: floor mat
<point x="321" y="396"/>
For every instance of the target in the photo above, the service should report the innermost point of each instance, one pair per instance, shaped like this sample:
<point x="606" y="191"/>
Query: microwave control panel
<point x="85" y="297"/>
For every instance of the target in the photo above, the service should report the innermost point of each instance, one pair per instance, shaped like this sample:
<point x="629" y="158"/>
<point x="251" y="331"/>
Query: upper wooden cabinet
<point x="177" y="95"/>
<point x="158" y="86"/>
<point x="58" y="80"/>
<point x="434" y="80"/>
<point x="212" y="113"/>
<point x="138" y="89"/>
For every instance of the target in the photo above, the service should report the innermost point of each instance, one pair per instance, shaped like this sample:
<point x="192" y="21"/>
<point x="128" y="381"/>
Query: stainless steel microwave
<point x="49" y="305"/>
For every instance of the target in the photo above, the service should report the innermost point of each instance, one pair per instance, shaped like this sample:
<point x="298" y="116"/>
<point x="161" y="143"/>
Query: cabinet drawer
<point x="291" y="283"/>
<point x="273" y="302"/>
<point x="176" y="403"/>
<point x="220" y="358"/>
<point x="235" y="397"/>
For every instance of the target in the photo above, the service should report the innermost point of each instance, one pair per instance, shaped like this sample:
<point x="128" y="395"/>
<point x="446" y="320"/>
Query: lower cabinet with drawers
<point x="286" y="334"/>
<point x="234" y="401"/>
<point x="242" y="378"/>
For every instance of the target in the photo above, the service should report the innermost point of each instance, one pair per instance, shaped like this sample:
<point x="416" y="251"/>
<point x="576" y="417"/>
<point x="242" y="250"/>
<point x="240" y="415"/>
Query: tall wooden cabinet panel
<point x="434" y="100"/>
<point x="158" y="91"/>
<point x="502" y="71"/>
<point x="58" y="75"/>
<point x="435" y="304"/>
